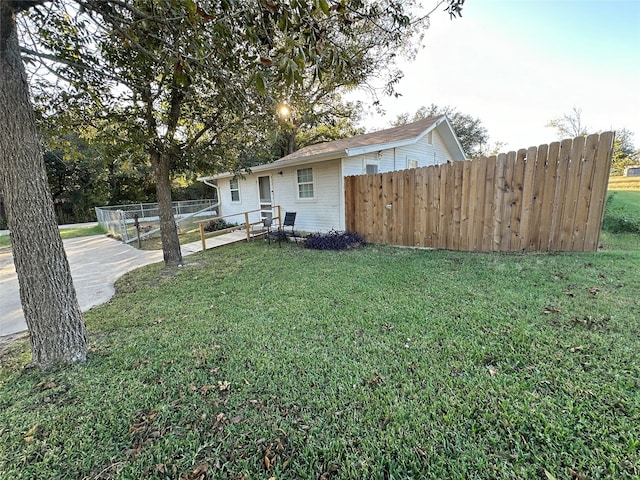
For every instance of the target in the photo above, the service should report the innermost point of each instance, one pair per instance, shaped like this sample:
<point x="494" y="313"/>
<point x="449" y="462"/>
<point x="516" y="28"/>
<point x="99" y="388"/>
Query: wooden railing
<point x="246" y="225"/>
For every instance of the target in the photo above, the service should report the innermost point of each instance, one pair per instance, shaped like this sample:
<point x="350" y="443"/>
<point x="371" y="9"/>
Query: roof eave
<point x="452" y="143"/>
<point x="352" y="152"/>
<point x="320" y="157"/>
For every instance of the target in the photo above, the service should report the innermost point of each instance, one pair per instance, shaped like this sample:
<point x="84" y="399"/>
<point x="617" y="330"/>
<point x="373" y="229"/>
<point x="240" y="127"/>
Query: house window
<point x="372" y="168"/>
<point x="305" y="183"/>
<point x="412" y="163"/>
<point x="234" y="187"/>
<point x="430" y="137"/>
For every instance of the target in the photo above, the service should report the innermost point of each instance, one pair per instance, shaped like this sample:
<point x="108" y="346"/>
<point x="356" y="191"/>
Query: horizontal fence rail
<point x="546" y="198"/>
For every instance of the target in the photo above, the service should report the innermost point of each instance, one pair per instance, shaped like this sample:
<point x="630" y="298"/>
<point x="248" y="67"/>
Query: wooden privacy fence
<point x="549" y="198"/>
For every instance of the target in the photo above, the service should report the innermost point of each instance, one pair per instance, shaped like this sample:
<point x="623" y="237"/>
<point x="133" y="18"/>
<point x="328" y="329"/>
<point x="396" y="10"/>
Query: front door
<point x="266" y="202"/>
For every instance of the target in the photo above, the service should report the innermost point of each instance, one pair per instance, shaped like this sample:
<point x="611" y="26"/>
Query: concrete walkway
<point x="96" y="263"/>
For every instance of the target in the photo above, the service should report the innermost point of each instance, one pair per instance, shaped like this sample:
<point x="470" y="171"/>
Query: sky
<point x="517" y="64"/>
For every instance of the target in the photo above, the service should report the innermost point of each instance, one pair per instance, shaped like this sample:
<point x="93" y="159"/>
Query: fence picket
<point x="517" y="183"/>
<point x="584" y="193"/>
<point x="507" y="202"/>
<point x="599" y="191"/>
<point x="570" y="193"/>
<point x="527" y="199"/>
<point x="542" y="154"/>
<point x="489" y="210"/>
<point x="456" y="224"/>
<point x="465" y="204"/>
<point x="558" y="194"/>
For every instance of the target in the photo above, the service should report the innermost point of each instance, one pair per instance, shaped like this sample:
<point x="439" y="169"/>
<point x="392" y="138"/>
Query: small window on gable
<point x="372" y="168"/>
<point x="412" y="163"/>
<point x="305" y="183"/>
<point x="234" y="187"/>
<point x="430" y="137"/>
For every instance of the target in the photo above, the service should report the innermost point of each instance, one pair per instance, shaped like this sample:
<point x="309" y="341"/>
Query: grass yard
<point x="5" y="240"/>
<point x="257" y="361"/>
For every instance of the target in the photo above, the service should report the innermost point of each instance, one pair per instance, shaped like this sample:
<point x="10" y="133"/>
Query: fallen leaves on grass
<point x="331" y="471"/>
<point x="550" y="309"/>
<point x="376" y="381"/>
<point x="31" y="433"/>
<point x="135" y="451"/>
<point x="139" y="363"/>
<point x="142" y="422"/>
<point x="576" y="475"/>
<point x="493" y="371"/>
<point x="275" y="453"/>
<point x="220" y="419"/>
<point x="267" y="460"/>
<point x="199" y="473"/>
<point x="46" y="385"/>
<point x="591" y="322"/>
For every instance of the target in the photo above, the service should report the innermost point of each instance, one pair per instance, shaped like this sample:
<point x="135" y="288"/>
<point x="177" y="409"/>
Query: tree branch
<point x="16" y="6"/>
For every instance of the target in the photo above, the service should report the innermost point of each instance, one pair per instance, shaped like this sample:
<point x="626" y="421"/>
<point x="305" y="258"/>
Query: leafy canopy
<point x="469" y="130"/>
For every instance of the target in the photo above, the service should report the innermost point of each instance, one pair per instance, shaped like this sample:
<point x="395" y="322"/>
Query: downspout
<point x="215" y="187"/>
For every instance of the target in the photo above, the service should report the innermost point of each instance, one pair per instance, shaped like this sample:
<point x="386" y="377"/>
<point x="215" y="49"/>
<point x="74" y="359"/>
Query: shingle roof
<point x="341" y="148"/>
<point x="396" y="134"/>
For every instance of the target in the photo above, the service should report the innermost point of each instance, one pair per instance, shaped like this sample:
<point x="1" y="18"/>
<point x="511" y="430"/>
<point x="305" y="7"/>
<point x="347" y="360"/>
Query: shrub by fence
<point x="547" y="198"/>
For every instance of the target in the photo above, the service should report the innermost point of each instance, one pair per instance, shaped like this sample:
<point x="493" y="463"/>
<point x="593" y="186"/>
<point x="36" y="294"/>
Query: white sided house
<point x="310" y="181"/>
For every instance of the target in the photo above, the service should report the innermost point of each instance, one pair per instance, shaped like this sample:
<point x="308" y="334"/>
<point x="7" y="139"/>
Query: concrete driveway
<point x="96" y="263"/>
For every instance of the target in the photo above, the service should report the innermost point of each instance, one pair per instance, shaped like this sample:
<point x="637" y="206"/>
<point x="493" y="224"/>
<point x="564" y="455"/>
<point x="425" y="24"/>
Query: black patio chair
<point x="289" y="221"/>
<point x="266" y="223"/>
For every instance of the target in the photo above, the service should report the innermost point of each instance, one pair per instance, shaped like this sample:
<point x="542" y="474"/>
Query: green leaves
<point x="324" y="6"/>
<point x="261" y="84"/>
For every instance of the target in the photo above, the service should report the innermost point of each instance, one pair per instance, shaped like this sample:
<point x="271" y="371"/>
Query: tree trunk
<point x="49" y="302"/>
<point x="168" y="229"/>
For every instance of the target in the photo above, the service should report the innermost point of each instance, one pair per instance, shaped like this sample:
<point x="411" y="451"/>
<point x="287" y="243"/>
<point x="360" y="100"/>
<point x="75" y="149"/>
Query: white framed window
<point x="305" y="183"/>
<point x="412" y="163"/>
<point x="371" y="168"/>
<point x="234" y="188"/>
<point x="430" y="137"/>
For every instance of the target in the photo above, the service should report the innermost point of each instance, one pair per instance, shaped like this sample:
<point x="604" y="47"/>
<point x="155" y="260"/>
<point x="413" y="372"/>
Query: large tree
<point x="47" y="294"/>
<point x="472" y="134"/>
<point x="148" y="64"/>
<point x="624" y="151"/>
<point x="311" y="115"/>
<point x="569" y="125"/>
<point x="173" y="73"/>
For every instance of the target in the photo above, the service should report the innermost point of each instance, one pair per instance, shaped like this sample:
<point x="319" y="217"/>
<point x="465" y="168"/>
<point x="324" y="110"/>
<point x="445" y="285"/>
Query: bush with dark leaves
<point x="218" y="224"/>
<point x="333" y="240"/>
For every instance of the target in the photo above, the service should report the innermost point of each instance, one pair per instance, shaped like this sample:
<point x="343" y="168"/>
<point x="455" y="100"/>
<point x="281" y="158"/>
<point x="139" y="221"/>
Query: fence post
<point x="202" y="239"/>
<point x="247" y="226"/>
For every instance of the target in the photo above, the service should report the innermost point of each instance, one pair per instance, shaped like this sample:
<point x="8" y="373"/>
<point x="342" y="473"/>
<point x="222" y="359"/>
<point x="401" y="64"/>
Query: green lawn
<point x="258" y="361"/>
<point x="5" y="240"/>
